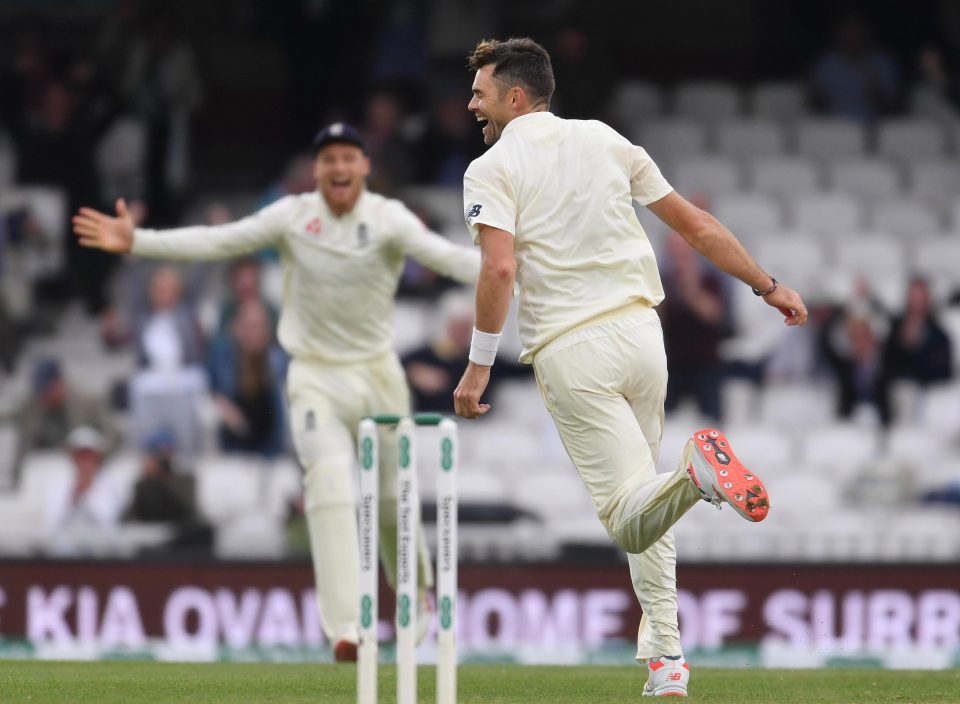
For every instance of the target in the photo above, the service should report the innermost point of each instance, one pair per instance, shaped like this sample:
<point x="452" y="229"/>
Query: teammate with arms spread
<point x="342" y="250"/>
<point x="550" y="204"/>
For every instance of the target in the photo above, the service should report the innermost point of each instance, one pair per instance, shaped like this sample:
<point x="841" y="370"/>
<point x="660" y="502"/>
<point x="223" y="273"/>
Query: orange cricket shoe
<point x="720" y="476"/>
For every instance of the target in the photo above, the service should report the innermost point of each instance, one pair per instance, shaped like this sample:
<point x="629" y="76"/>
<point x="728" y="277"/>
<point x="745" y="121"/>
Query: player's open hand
<point x="788" y="302"/>
<point x="101" y="231"/>
<point x="466" y="397"/>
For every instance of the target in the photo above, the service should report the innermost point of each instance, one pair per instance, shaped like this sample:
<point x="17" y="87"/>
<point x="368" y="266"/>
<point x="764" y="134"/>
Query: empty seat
<point x="870" y="255"/>
<point x="843" y="447"/>
<point x="558" y="493"/>
<point x="784" y="178"/>
<point x="794" y="256"/>
<point x="935" y="181"/>
<point x="830" y="139"/>
<point x="766" y="448"/>
<point x="748" y="215"/>
<point x="911" y="139"/>
<point x="41" y="472"/>
<point x="249" y="535"/>
<point x="749" y="139"/>
<point x="868" y="179"/>
<point x="936" y="258"/>
<point x="707" y="176"/>
<point x="9" y="439"/>
<point x="411" y="325"/>
<point x="708" y="101"/>
<point x="941" y="404"/>
<point x="905" y="217"/>
<point x="827" y="213"/>
<point x="636" y="101"/>
<point x="796" y="405"/>
<point x="668" y="140"/>
<point x="478" y="486"/>
<point x="230" y="485"/>
<point x="914" y="445"/>
<point x="781" y="101"/>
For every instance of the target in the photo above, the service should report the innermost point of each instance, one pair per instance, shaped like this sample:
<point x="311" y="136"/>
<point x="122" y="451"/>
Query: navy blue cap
<point x="338" y="133"/>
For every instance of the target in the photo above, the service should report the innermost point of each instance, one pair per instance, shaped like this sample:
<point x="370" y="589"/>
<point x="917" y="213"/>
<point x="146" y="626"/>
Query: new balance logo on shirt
<point x="474" y="211"/>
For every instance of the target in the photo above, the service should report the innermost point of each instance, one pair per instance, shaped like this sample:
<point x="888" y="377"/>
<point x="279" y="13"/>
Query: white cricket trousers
<point x="327" y="402"/>
<point x="604" y="383"/>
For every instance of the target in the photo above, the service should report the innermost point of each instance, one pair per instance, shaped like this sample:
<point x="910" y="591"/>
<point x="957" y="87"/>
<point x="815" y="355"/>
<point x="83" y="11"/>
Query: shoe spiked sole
<point x="733" y="482"/>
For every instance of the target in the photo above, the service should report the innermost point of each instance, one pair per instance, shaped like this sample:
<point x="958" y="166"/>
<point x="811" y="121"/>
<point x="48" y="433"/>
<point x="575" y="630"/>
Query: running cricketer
<point x="550" y="204"/>
<point x="342" y="251"/>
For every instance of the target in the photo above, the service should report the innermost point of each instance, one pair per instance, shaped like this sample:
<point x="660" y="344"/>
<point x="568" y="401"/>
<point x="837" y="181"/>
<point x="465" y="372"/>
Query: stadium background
<point x="201" y="111"/>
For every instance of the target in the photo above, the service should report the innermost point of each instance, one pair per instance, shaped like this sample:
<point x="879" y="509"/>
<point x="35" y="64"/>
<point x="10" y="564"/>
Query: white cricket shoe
<point x="667" y="677"/>
<point x="720" y="476"/>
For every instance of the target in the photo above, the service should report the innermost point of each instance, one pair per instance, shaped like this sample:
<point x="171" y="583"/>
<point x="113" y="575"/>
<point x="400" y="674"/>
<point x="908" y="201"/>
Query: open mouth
<point x="486" y="124"/>
<point x="340" y="185"/>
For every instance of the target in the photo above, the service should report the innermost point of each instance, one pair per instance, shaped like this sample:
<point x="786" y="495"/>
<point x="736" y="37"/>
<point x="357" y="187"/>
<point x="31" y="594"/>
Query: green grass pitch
<point x="142" y="682"/>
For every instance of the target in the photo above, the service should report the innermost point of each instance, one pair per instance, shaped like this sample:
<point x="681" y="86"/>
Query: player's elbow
<point x="702" y="232"/>
<point x="501" y="269"/>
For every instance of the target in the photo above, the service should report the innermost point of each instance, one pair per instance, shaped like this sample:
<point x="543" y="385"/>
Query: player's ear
<point x="366" y="166"/>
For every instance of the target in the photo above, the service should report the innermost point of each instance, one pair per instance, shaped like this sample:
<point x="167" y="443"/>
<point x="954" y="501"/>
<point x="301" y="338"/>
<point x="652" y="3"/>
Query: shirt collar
<point x="528" y="119"/>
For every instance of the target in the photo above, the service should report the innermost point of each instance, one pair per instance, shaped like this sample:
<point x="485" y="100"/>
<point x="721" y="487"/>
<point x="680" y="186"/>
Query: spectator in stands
<point x="433" y="370"/>
<point x="297" y="178"/>
<point x="162" y="83"/>
<point x="695" y="318"/>
<point x="855" y="356"/>
<point x="588" y="74"/>
<point x="165" y="494"/>
<point x="937" y="90"/>
<point x="855" y="78"/>
<point x="169" y="335"/>
<point x="54" y="408"/>
<point x="90" y="502"/>
<point x="247" y="374"/>
<point x="386" y="144"/>
<point x="244" y="278"/>
<point x="161" y="494"/>
<point x="55" y="148"/>
<point x="917" y="347"/>
<point x="448" y="144"/>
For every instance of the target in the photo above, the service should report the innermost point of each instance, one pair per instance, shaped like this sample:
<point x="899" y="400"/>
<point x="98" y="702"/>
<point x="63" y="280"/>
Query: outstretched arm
<point x="498" y="270"/>
<point x="118" y="234"/>
<point x="708" y="236"/>
<point x="435" y="252"/>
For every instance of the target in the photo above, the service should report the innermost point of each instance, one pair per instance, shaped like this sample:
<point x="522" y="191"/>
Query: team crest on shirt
<point x="363" y="235"/>
<point x="315" y="226"/>
<point x="474" y="211"/>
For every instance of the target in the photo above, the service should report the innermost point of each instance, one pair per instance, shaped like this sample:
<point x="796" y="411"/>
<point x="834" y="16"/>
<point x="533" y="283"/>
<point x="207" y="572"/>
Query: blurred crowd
<point x="116" y="119"/>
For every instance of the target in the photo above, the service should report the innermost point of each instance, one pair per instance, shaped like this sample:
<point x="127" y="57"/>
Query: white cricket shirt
<point x="564" y="189"/>
<point x="340" y="274"/>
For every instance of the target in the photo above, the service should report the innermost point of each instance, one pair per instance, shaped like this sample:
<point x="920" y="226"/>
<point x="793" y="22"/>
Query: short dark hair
<point x="519" y="61"/>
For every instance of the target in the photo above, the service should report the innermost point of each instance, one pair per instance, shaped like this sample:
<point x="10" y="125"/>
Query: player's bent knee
<point x="329" y="482"/>
<point x="629" y="537"/>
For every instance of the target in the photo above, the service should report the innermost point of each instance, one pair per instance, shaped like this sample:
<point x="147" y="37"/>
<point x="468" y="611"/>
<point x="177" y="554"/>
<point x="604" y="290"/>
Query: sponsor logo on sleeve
<point x="474" y="211"/>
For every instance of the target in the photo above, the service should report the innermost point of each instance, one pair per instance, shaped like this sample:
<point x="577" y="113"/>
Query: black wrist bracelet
<point x="770" y="290"/>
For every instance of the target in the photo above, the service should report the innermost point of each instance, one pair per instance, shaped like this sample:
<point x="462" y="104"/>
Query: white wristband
<point x="483" y="347"/>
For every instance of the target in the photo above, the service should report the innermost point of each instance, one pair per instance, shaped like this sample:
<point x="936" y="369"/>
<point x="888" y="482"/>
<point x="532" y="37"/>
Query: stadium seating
<point x="780" y="101"/>
<point x="707" y="101"/>
<point x="751" y="139"/>
<point x="830" y="139"/>
<point x="868" y="179"/>
<point x="826" y="214"/>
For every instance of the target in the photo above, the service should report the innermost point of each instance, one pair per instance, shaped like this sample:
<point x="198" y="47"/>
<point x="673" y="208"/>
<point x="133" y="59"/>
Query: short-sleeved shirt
<point x="340" y="273"/>
<point x="565" y="190"/>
